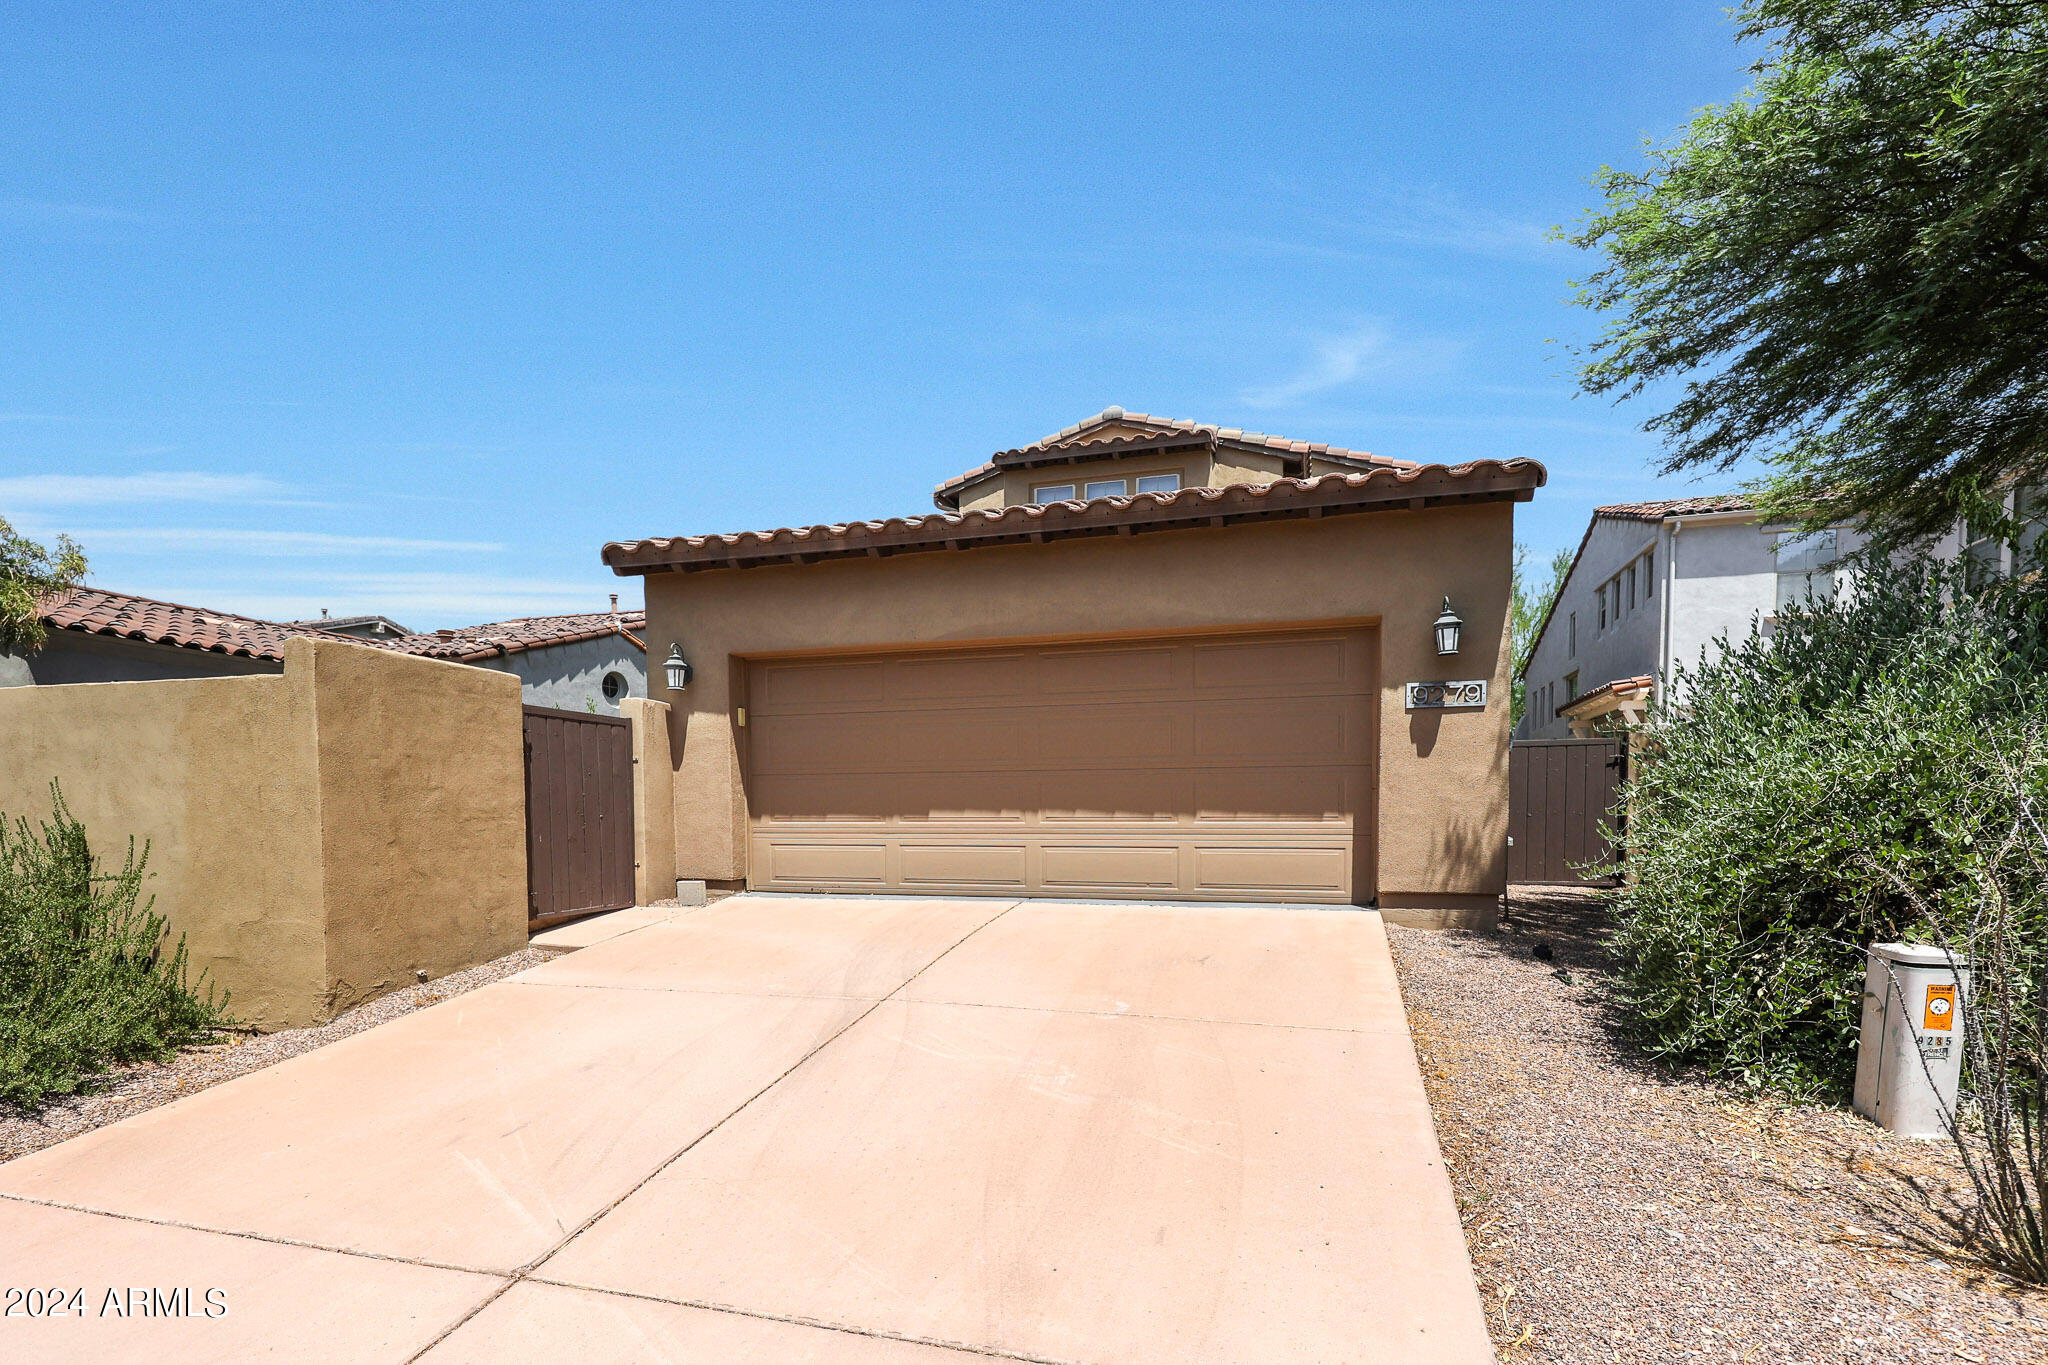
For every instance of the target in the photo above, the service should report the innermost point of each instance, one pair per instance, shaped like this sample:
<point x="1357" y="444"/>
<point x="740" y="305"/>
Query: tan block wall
<point x="654" y="812"/>
<point x="1442" y="806"/>
<point x="317" y="837"/>
<point x="218" y="777"/>
<point x="422" y="815"/>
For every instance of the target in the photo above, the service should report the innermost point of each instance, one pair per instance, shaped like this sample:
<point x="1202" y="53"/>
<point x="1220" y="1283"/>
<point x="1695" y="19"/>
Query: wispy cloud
<point x="279" y="543"/>
<point x="1367" y="350"/>
<point x="99" y="490"/>
<point x="421" y="600"/>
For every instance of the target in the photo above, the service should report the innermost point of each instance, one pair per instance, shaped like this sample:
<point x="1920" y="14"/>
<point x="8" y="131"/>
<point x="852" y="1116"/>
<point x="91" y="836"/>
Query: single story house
<point x="1139" y="658"/>
<point x="583" y="661"/>
<point x="94" y="635"/>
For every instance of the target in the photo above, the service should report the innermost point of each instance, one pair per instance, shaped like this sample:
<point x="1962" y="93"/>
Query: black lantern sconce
<point x="1448" y="627"/>
<point x="678" y="669"/>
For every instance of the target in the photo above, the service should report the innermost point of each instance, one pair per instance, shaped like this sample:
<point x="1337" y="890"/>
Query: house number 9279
<point x="1429" y="695"/>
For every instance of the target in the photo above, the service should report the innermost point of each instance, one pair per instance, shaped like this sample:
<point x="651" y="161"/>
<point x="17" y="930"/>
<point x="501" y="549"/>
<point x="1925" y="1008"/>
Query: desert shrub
<point x="86" y="981"/>
<point x="1817" y="791"/>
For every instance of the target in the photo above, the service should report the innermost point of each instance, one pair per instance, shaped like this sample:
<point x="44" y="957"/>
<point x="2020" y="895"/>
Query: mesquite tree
<point x="1846" y="268"/>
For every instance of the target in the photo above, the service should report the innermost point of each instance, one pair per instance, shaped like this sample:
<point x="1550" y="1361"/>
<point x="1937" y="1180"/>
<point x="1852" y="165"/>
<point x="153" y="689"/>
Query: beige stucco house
<point x="1137" y="659"/>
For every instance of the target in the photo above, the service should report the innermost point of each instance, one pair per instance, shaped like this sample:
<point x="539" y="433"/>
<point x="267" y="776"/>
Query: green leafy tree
<point x="29" y="573"/>
<point x="1846" y="267"/>
<point x="1528" y="606"/>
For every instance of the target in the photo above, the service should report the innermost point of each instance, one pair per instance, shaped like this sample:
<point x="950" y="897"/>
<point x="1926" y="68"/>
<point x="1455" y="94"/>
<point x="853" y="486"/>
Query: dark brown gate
<point x="1560" y="792"/>
<point x="579" y="814"/>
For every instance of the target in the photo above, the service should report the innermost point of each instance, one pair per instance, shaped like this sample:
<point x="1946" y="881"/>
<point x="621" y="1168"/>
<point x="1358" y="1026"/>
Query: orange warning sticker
<point x="1941" y="1007"/>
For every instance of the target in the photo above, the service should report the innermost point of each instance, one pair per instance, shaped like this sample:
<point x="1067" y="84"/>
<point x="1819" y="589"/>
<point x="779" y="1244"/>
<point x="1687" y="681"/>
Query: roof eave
<point x="1336" y="494"/>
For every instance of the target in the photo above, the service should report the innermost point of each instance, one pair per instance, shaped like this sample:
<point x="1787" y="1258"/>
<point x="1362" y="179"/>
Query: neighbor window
<point x="1806" y="566"/>
<point x="2030" y="506"/>
<point x="1571" y="686"/>
<point x="1603" y="607"/>
<point x="1053" y="492"/>
<point x="1107" y="488"/>
<point x="1631" y="577"/>
<point x="1159" y="483"/>
<point x="1571" y="638"/>
<point x="1649" y="575"/>
<point x="614" y="686"/>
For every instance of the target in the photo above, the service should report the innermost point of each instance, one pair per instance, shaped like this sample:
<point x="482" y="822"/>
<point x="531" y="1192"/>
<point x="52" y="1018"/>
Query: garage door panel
<point x="1270" y="794"/>
<point x="1114" y="795"/>
<point x="1257" y="663"/>
<point x="979" y="796"/>
<point x="959" y="678"/>
<point x="796" y="861"/>
<point x="1207" y="767"/>
<point x="802" y="686"/>
<point x="824" y="745"/>
<point x="1108" y="672"/>
<point x="966" y="864"/>
<point x="1304" y="871"/>
<point x="1136" y="867"/>
<point x="810" y="798"/>
<point x="1303" y="730"/>
<point x="1111" y="734"/>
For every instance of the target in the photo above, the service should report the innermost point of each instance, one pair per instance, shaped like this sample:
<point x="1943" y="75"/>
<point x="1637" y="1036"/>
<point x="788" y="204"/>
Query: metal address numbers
<point x="1431" y="695"/>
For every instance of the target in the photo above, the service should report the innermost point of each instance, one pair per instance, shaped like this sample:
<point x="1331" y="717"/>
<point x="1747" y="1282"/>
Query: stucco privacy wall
<point x="317" y="837"/>
<point x="422" y="815"/>
<point x="1442" y="790"/>
<point x="654" y="814"/>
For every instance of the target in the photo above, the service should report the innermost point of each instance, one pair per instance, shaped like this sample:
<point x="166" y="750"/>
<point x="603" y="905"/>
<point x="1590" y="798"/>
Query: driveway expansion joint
<point x="525" y="1272"/>
<point x="796" y="1320"/>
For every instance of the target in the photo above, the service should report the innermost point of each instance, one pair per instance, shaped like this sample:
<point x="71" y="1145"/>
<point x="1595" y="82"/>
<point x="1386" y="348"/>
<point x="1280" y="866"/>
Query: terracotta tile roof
<point x="95" y="611"/>
<point x="495" y="638"/>
<point x="1159" y="433"/>
<point x="1620" y="687"/>
<point x="1385" y="488"/>
<point x="1675" y="507"/>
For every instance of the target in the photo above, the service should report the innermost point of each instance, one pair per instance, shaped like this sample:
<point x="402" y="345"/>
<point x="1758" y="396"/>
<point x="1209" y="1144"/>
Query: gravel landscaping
<point x="131" y="1090"/>
<point x="1619" y="1212"/>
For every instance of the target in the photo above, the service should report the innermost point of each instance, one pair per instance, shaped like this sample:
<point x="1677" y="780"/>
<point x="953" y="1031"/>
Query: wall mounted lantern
<point x="679" y="670"/>
<point x="1447" y="628"/>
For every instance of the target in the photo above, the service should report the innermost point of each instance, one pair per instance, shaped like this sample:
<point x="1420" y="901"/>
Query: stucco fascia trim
<point x="1327" y="495"/>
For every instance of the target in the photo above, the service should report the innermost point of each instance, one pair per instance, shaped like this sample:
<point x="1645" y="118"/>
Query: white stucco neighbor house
<point x="1655" y="584"/>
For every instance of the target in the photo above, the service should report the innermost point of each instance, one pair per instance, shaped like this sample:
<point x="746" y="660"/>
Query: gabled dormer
<point x="1121" y="454"/>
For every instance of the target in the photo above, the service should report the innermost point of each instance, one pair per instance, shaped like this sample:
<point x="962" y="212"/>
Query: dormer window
<point x="1159" y="483"/>
<point x="1052" y="492"/>
<point x="1107" y="488"/>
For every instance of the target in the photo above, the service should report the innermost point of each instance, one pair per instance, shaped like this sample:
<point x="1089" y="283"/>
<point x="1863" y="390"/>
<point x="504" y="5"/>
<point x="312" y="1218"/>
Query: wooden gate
<point x="579" y="814"/>
<point x="1560" y="792"/>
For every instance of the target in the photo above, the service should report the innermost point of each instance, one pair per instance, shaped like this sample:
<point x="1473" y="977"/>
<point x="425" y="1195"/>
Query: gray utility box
<point x="1910" y="1057"/>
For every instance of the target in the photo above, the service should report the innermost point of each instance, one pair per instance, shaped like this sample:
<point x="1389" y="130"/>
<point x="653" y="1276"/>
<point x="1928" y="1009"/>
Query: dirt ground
<point x="1619" y="1212"/>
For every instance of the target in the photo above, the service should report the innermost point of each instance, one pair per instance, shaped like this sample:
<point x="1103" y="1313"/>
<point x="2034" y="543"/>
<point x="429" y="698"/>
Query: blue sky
<point x="410" y="309"/>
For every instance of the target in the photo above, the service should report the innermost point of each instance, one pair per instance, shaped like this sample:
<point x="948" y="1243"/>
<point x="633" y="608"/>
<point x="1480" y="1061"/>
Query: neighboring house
<point x="588" y="661"/>
<point x="99" y="636"/>
<point x="1655" y="584"/>
<point x="361" y="627"/>
<point x="579" y="662"/>
<point x="1139" y="658"/>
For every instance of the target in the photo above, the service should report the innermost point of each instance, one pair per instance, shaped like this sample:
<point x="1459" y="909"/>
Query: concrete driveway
<point x="779" y="1129"/>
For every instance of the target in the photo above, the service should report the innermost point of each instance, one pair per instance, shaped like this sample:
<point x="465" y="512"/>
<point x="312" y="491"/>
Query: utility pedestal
<point x="1910" y="1057"/>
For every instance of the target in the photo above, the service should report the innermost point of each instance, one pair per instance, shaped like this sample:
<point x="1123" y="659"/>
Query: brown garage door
<point x="1212" y="768"/>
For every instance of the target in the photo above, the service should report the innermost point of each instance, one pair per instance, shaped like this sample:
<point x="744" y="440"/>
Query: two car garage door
<point x="1200" y="767"/>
